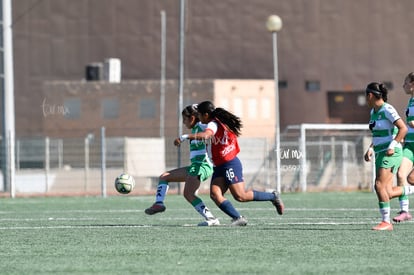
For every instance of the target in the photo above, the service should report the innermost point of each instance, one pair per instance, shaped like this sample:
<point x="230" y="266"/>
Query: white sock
<point x="404" y="204"/>
<point x="408" y="190"/>
<point x="385" y="213"/>
<point x="204" y="211"/>
<point x="162" y="190"/>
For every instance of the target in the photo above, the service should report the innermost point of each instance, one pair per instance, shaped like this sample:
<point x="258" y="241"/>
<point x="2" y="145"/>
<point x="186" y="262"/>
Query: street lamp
<point x="273" y="25"/>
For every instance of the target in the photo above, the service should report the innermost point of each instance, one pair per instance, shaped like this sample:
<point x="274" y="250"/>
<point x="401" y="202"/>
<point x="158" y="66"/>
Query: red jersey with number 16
<point x="224" y="145"/>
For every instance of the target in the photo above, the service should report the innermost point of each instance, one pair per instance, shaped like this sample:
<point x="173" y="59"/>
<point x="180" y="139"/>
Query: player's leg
<point x="239" y="192"/>
<point x="191" y="186"/>
<point x="234" y="176"/>
<point x="199" y="171"/>
<point x="405" y="167"/>
<point x="176" y="175"/>
<point x="392" y="164"/>
<point x="383" y="183"/>
<point x="217" y="189"/>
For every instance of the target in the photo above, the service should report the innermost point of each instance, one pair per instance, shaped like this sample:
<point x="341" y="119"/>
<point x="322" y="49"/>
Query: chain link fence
<point x="329" y="160"/>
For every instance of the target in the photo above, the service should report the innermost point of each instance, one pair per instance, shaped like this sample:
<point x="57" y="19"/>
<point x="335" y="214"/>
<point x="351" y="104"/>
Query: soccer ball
<point x="124" y="183"/>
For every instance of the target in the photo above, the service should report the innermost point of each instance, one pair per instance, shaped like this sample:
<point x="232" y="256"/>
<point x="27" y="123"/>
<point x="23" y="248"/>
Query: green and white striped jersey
<point x="382" y="126"/>
<point x="409" y="113"/>
<point x="198" y="147"/>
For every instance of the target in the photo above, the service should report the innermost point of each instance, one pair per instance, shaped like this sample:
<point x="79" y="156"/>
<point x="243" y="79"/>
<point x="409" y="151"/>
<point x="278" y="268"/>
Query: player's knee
<point x="163" y="176"/>
<point x="240" y="197"/>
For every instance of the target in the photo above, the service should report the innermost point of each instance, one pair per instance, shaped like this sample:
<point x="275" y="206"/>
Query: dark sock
<point x="229" y="209"/>
<point x="263" y="196"/>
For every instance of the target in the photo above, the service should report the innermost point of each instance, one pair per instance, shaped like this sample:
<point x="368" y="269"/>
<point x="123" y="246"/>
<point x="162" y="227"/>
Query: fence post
<point x="303" y="164"/>
<point x="47" y="162"/>
<point x="85" y="187"/>
<point x="103" y="162"/>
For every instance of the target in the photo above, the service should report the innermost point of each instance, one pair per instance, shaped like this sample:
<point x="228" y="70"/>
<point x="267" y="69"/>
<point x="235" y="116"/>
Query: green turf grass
<point x="320" y="233"/>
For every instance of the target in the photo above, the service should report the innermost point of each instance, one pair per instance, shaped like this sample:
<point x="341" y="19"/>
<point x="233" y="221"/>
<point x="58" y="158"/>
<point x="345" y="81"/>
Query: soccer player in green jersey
<point x="408" y="150"/>
<point x="199" y="170"/>
<point x="387" y="148"/>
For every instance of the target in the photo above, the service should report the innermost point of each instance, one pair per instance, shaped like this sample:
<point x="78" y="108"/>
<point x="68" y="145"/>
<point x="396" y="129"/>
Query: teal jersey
<point x="382" y="126"/>
<point x="409" y="113"/>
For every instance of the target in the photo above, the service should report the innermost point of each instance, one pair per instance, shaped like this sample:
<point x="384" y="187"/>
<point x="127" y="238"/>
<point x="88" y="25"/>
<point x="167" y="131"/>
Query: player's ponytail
<point x="232" y="122"/>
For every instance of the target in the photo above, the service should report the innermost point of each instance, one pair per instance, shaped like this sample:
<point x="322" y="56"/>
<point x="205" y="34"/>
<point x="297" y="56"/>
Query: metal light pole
<point x="6" y="52"/>
<point x="181" y="82"/>
<point x="162" y="82"/>
<point x="274" y="24"/>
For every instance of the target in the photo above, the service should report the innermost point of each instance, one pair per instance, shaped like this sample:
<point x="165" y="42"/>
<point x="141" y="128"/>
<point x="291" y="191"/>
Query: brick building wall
<point x="337" y="45"/>
<point x="129" y="108"/>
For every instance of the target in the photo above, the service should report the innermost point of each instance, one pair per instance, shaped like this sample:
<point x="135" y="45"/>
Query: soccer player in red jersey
<point x="221" y="134"/>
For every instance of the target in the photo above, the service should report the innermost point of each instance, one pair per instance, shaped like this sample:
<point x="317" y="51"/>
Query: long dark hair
<point x="231" y="121"/>
<point x="379" y="90"/>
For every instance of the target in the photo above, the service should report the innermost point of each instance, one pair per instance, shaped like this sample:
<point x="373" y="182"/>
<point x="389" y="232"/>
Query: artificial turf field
<point x="320" y="233"/>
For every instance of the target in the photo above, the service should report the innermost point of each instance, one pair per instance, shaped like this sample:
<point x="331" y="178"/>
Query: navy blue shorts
<point x="232" y="171"/>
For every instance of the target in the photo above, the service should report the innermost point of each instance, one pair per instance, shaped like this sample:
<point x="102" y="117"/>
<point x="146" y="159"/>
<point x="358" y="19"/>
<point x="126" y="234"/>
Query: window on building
<point x="72" y="107"/>
<point x="265" y="108"/>
<point x="147" y="108"/>
<point x="110" y="108"/>
<point x="283" y="84"/>
<point x="224" y="103"/>
<point x="313" y="85"/>
<point x="252" y="108"/>
<point x="238" y="106"/>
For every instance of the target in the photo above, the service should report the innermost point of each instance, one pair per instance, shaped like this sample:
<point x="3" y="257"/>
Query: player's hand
<point x="368" y="154"/>
<point x="390" y="152"/>
<point x="177" y="142"/>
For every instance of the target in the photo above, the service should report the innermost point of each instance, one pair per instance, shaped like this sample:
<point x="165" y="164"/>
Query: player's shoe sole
<point x="240" y="221"/>
<point x="209" y="222"/>
<point x="278" y="203"/>
<point x="383" y="226"/>
<point x="155" y="208"/>
<point x="403" y="216"/>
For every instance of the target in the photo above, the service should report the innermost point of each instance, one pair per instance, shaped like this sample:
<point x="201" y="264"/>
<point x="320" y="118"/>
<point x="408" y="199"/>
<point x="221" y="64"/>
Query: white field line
<point x="100" y="226"/>
<point x="55" y="216"/>
<point x="189" y="208"/>
<point x="71" y="227"/>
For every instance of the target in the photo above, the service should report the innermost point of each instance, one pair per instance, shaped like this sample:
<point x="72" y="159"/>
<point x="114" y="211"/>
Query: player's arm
<point x="207" y="134"/>
<point x="402" y="131"/>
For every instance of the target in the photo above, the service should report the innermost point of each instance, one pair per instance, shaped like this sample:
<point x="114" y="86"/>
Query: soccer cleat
<point x="155" y="208"/>
<point x="210" y="222"/>
<point x="403" y="216"/>
<point x="383" y="226"/>
<point x="278" y="203"/>
<point x="240" y="221"/>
